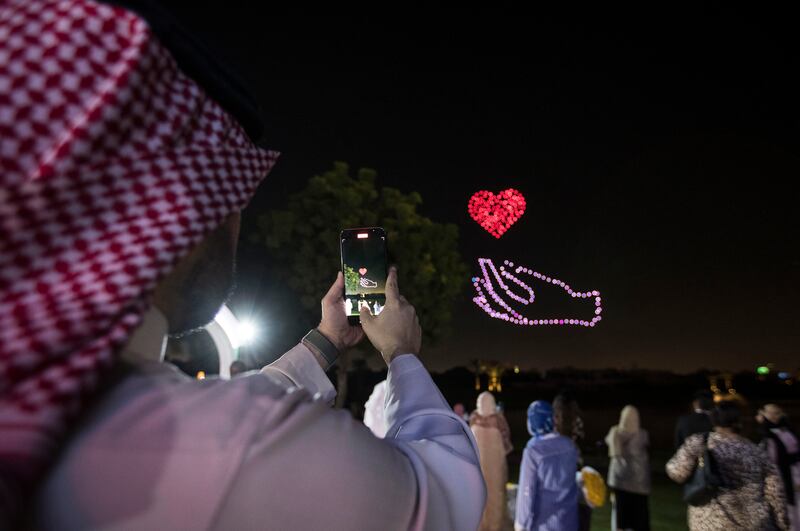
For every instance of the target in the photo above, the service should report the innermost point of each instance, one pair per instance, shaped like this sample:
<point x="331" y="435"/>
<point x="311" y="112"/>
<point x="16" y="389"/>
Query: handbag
<point x="705" y="482"/>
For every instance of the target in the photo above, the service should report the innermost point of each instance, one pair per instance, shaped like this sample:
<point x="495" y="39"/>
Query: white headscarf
<point x="486" y="404"/>
<point x="629" y="419"/>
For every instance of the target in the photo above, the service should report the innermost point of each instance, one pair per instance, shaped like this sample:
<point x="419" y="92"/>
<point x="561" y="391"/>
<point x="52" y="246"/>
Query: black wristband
<point x="323" y="345"/>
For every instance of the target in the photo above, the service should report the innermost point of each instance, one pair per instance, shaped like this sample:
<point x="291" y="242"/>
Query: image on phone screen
<point x="364" y="268"/>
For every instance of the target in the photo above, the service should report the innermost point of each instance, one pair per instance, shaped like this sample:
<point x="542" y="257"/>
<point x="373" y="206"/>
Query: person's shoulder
<point x="535" y="448"/>
<point x="562" y="448"/>
<point x="194" y="412"/>
<point x="743" y="449"/>
<point x="253" y="385"/>
<point x="694" y="440"/>
<point x="550" y="446"/>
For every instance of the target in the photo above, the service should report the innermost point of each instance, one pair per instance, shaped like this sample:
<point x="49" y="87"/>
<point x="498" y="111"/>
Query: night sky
<point x="657" y="151"/>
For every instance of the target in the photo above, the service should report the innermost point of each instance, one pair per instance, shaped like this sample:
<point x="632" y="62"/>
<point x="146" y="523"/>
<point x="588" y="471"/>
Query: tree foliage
<point x="303" y="240"/>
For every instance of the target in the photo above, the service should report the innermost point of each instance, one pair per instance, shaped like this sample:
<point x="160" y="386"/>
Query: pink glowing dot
<point x="597" y="311"/>
<point x="561" y="321"/>
<point x="595" y="293"/>
<point x="597" y="303"/>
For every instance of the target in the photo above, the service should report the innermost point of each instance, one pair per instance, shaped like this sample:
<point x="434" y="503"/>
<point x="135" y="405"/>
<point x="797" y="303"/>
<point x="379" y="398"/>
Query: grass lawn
<point x="667" y="510"/>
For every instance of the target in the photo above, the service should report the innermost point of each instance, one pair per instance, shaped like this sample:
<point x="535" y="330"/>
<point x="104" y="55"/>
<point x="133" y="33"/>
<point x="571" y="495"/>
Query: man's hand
<point x="396" y="329"/>
<point x="334" y="325"/>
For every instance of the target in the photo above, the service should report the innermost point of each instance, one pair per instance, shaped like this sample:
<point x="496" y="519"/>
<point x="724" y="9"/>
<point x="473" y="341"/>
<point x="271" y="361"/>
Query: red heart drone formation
<point x="496" y="213"/>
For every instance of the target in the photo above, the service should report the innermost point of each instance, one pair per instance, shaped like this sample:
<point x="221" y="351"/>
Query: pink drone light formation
<point x="496" y="213"/>
<point x="511" y="315"/>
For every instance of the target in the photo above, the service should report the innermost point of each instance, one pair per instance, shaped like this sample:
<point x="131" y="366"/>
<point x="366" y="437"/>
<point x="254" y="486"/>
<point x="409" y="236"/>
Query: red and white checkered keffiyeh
<point x="113" y="165"/>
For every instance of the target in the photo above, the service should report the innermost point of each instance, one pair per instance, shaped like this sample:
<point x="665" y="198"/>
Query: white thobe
<point x="161" y="450"/>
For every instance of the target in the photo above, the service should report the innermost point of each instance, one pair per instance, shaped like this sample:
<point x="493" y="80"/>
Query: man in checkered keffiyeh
<point x="121" y="183"/>
<point x="113" y="165"/>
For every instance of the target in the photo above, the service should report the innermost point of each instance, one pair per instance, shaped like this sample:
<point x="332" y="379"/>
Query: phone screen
<point x="364" y="268"/>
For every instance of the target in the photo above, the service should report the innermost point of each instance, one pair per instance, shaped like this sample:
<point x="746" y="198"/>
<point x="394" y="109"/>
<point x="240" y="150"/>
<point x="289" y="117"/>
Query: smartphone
<point x="364" y="266"/>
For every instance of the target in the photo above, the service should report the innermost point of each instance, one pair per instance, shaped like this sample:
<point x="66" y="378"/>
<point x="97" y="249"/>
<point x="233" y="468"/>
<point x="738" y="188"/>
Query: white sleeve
<point x="440" y="446"/>
<point x="299" y="368"/>
<point x="309" y="467"/>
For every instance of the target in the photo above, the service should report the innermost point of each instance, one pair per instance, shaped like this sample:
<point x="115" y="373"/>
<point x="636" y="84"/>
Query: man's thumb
<point x="366" y="317"/>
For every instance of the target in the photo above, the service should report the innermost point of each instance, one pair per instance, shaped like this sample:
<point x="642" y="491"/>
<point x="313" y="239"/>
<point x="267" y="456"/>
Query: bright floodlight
<point x="247" y="332"/>
<point x="237" y="332"/>
<point x="229" y="325"/>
